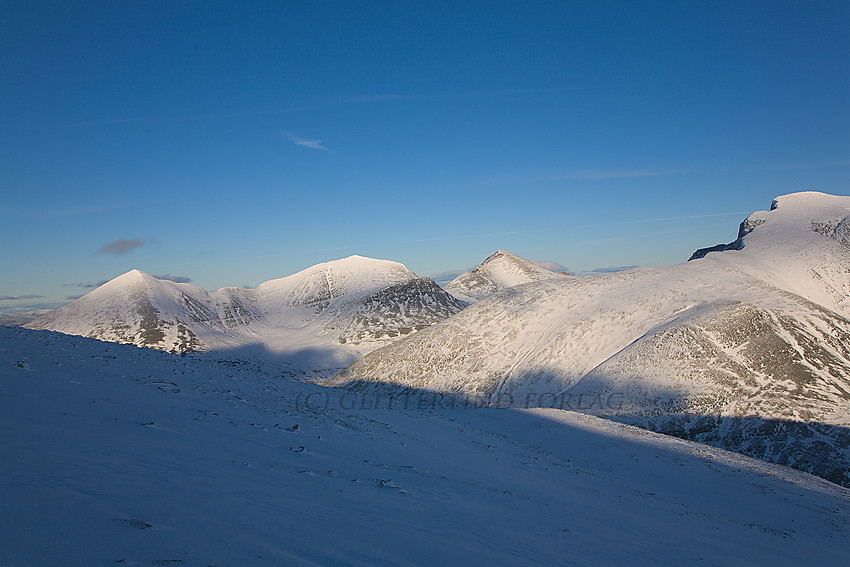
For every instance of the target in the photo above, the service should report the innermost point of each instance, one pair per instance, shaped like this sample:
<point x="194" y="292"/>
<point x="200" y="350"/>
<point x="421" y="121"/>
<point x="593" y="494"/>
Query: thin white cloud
<point x="175" y="279"/>
<point x="445" y="277"/>
<point x="800" y="165"/>
<point x="611" y="269"/>
<point x="83" y="210"/>
<point x="551" y="266"/>
<point x="385" y="97"/>
<point x="690" y="217"/>
<point x="86" y="285"/>
<point x="305" y="142"/>
<point x="584" y="174"/>
<point x="614" y="174"/>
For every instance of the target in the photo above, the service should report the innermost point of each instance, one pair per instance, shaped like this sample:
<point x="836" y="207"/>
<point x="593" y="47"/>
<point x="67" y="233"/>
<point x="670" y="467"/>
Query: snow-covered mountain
<point x="760" y="329"/>
<point x="116" y="455"/>
<point x="346" y="306"/>
<point x="498" y="272"/>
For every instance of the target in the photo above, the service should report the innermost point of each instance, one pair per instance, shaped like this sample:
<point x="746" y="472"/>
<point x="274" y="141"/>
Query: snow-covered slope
<point x="763" y="330"/>
<point x="498" y="272"/>
<point x="357" y="301"/>
<point x="801" y="245"/>
<point x="116" y="455"/>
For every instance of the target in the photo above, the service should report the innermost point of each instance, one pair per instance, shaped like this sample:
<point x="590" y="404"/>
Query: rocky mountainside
<point x="757" y="330"/>
<point x="500" y="271"/>
<point x="357" y="302"/>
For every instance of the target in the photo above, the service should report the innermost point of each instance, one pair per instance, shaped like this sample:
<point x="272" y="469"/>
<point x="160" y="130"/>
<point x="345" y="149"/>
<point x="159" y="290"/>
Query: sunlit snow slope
<point x="763" y="330"/>
<point x="498" y="272"/>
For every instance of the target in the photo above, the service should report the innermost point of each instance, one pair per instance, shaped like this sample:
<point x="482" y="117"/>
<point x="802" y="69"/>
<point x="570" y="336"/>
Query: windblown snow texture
<point x="760" y="330"/>
<point x="117" y="455"/>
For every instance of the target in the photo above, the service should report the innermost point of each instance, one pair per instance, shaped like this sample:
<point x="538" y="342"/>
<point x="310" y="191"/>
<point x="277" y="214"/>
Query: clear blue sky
<point x="232" y="143"/>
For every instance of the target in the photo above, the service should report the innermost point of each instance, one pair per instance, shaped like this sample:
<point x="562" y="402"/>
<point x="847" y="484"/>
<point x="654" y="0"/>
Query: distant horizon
<point x="441" y="278"/>
<point x="226" y="145"/>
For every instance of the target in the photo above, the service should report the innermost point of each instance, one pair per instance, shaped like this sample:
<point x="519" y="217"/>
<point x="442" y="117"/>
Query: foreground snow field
<point x="116" y="455"/>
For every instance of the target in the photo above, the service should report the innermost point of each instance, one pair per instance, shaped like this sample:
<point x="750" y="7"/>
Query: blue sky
<point x="228" y="143"/>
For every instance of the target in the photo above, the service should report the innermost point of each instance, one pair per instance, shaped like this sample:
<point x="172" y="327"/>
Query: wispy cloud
<point x="551" y="266"/>
<point x="74" y="297"/>
<point x="577" y="175"/>
<point x="87" y="285"/>
<point x="83" y="210"/>
<point x="445" y="277"/>
<point x="16" y="297"/>
<point x="120" y="246"/>
<point x="798" y="165"/>
<point x="386" y="97"/>
<point x="175" y="279"/>
<point x="614" y="174"/>
<point x="27" y="309"/>
<point x="690" y="217"/>
<point x="305" y="142"/>
<point x="611" y="270"/>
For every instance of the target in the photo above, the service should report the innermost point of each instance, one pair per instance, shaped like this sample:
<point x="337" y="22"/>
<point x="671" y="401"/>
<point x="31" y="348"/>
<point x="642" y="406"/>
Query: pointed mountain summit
<point x="136" y="308"/>
<point x="498" y="272"/>
<point x="358" y="302"/>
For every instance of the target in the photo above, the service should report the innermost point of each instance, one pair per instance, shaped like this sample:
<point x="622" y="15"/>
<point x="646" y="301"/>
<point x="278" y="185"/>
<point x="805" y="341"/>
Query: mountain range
<point x="334" y="312"/>
<point x="746" y="346"/>
<point x="325" y="316"/>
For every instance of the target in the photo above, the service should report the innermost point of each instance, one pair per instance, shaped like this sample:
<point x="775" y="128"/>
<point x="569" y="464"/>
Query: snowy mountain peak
<point x="128" y="283"/>
<point x="130" y="278"/>
<point x="791" y="218"/>
<point x="320" y="284"/>
<point x="809" y="200"/>
<point x="499" y="271"/>
<point x="348" y="301"/>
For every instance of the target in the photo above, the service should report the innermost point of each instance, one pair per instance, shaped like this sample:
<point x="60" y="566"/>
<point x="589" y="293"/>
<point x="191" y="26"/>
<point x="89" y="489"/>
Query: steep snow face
<point x="761" y="331"/>
<point x="801" y="245"/>
<point x="498" y="272"/>
<point x="359" y="302"/>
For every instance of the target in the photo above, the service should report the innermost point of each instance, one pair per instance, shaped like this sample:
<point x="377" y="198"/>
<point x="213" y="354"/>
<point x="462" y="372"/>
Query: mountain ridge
<point x="323" y="306"/>
<point x="763" y="330"/>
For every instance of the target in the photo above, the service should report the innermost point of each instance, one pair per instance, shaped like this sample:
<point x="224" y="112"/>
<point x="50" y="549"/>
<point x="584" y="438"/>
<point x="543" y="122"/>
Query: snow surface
<point x="116" y="455"/>
<point x="547" y="336"/>
<point x="498" y="272"/>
